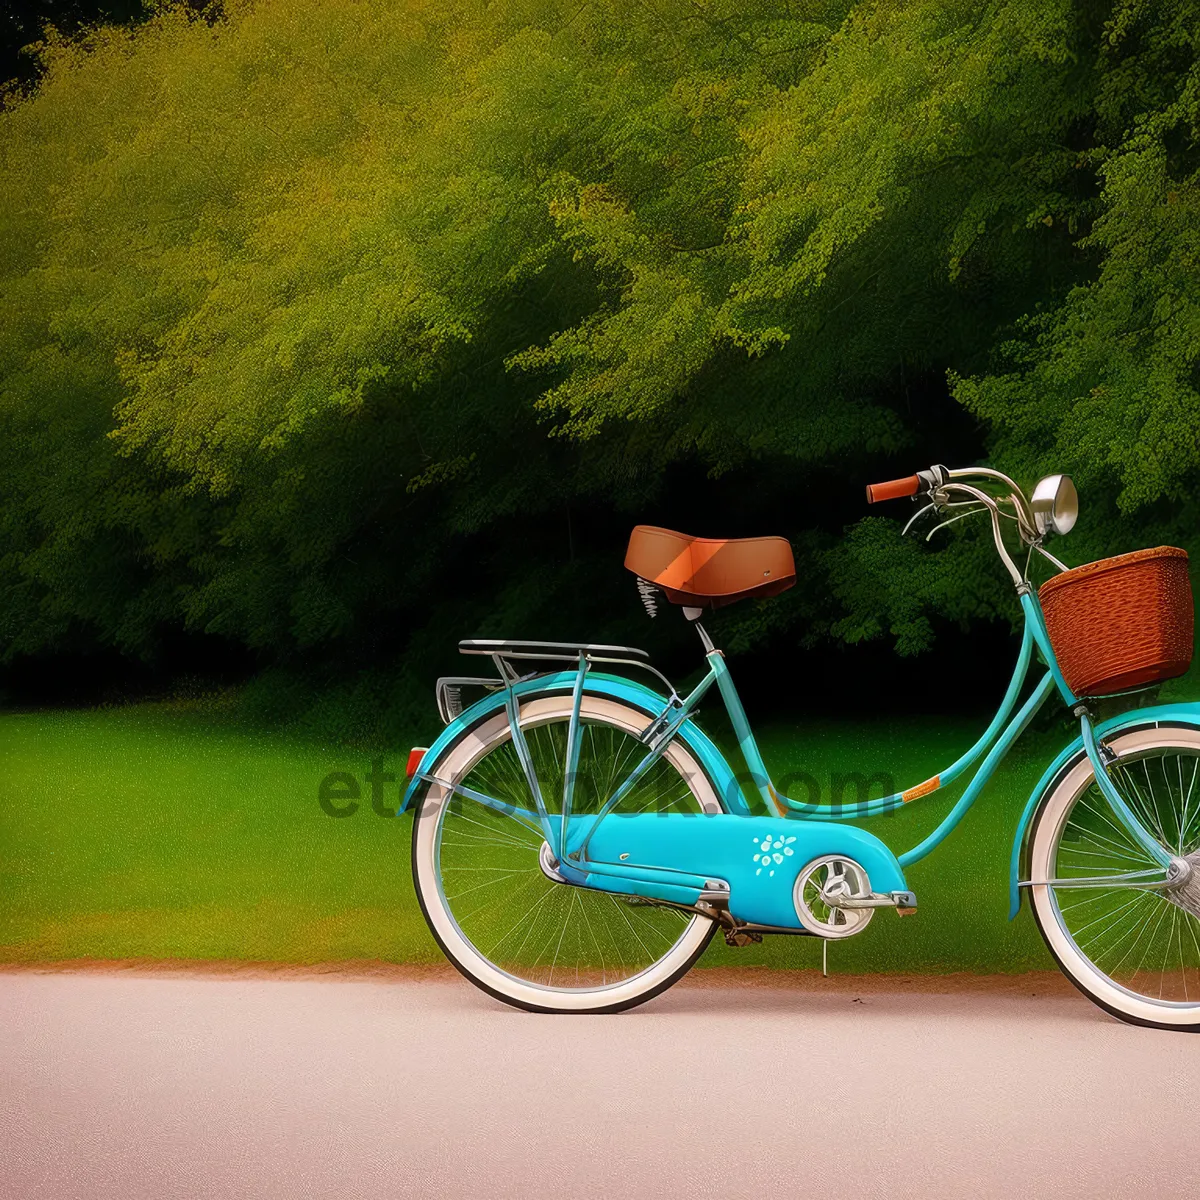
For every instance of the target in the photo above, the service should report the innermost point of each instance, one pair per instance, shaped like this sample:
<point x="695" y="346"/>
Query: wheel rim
<point x="1142" y="950"/>
<point x="523" y="934"/>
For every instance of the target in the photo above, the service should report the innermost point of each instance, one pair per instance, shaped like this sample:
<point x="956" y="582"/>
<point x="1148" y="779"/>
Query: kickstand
<point x="825" y="957"/>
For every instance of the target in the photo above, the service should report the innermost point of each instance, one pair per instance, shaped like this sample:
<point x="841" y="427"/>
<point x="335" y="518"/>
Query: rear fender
<point x="1139" y="718"/>
<point x="615" y="687"/>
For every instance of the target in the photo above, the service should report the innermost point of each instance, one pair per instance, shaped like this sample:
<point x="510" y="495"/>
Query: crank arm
<point x="875" y="900"/>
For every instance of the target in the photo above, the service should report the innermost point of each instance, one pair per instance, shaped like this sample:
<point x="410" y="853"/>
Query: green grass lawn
<point x="167" y="831"/>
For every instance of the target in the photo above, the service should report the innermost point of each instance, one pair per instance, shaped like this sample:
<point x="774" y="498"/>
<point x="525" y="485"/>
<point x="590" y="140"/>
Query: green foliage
<point x="320" y="316"/>
<point x="1114" y="368"/>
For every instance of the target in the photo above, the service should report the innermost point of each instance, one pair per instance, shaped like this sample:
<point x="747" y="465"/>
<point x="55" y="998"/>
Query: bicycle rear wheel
<point x="1133" y="950"/>
<point x="485" y="879"/>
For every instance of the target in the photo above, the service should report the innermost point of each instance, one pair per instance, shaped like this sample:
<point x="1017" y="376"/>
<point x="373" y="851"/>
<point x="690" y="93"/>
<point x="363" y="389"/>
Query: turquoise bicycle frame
<point x="746" y="862"/>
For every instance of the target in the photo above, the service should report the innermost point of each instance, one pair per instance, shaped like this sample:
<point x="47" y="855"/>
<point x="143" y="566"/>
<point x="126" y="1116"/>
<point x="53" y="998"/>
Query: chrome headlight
<point x="1055" y="504"/>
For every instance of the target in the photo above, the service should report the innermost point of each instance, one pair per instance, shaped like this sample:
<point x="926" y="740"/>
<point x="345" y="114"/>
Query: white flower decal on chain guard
<point x="771" y="853"/>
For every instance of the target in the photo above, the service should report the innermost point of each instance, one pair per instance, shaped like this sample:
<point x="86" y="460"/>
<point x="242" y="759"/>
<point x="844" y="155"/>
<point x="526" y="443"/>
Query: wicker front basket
<point x="1121" y="622"/>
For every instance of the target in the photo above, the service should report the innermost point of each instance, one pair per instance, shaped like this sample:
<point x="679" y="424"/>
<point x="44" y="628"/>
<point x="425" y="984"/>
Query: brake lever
<point x="939" y="501"/>
<point x="919" y="513"/>
<point x="961" y="517"/>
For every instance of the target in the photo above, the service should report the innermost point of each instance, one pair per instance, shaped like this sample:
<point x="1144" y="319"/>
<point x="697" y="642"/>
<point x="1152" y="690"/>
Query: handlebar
<point x="937" y="480"/>
<point x="893" y="489"/>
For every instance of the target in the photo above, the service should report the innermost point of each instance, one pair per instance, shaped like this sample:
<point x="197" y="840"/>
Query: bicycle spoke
<point x="1144" y="942"/>
<point x="552" y="934"/>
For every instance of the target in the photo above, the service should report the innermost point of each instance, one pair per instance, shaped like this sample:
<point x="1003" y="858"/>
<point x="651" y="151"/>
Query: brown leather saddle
<point x="710" y="572"/>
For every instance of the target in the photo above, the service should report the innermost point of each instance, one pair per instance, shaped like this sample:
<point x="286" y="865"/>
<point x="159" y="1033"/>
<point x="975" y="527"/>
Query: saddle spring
<point x="649" y="593"/>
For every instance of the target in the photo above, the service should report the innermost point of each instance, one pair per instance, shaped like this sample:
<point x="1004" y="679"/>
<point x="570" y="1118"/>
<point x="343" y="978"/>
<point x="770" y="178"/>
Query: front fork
<point x="1177" y="870"/>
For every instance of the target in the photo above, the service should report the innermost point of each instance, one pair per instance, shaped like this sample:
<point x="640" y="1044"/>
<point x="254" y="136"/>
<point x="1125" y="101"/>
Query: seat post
<point x="693" y="615"/>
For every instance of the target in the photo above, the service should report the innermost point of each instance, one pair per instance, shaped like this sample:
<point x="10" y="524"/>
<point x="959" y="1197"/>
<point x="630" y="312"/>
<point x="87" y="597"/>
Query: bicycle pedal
<point x="741" y="937"/>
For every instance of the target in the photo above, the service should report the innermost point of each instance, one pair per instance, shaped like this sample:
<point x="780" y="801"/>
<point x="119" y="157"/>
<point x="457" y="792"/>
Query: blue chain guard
<point x="759" y="857"/>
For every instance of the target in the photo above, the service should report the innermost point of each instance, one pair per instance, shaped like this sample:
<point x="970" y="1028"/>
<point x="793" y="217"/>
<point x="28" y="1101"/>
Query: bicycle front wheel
<point x="485" y="879"/>
<point x="1134" y="950"/>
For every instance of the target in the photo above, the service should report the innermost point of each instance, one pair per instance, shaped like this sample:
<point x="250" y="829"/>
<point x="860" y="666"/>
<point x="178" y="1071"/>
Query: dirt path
<point x="178" y="1082"/>
<point x="1031" y="983"/>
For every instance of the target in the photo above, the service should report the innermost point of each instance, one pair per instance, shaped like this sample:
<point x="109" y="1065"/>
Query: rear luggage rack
<point x="555" y="651"/>
<point x="504" y="652"/>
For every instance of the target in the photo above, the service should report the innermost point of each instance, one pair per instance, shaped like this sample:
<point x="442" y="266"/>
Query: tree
<point x="315" y="311"/>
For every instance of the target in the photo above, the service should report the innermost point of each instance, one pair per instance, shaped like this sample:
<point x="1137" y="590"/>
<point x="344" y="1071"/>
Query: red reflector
<point x="414" y="760"/>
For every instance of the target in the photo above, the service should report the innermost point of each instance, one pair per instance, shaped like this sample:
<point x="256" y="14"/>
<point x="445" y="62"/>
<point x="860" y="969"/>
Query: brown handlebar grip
<point x="894" y="489"/>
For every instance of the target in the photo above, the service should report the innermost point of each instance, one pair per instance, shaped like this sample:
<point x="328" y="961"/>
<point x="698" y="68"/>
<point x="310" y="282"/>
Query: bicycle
<point x="580" y="840"/>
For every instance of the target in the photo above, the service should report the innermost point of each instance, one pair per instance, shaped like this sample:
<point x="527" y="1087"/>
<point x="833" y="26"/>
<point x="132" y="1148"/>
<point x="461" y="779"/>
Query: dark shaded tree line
<point x="335" y="330"/>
